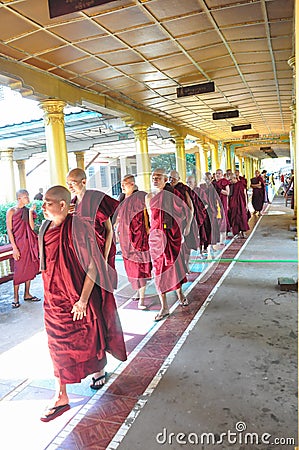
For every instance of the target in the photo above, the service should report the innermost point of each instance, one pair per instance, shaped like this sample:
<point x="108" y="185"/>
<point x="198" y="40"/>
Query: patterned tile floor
<point x="96" y="420"/>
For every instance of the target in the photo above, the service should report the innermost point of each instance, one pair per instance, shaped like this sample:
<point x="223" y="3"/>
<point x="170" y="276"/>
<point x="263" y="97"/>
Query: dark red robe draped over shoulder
<point x="258" y="194"/>
<point x="168" y="212"/>
<point x="77" y="348"/>
<point x="133" y="238"/>
<point x="27" y="267"/>
<point x="221" y="184"/>
<point x="192" y="239"/>
<point x="210" y="198"/>
<point x="98" y="207"/>
<point x="237" y="208"/>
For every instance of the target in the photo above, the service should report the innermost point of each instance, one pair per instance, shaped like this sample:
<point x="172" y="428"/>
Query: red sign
<point x="250" y="136"/>
<point x="62" y="7"/>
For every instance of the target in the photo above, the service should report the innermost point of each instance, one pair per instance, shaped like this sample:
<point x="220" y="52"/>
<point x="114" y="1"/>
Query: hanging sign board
<point x="62" y="7"/>
<point x="225" y="114"/>
<point x="196" y="89"/>
<point x="241" y="127"/>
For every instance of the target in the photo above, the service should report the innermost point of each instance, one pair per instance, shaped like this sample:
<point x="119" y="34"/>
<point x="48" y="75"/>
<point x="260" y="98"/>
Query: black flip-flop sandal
<point x="15" y="305"/>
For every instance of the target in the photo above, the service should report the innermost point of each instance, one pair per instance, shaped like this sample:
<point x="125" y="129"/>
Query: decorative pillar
<point x="123" y="166"/>
<point x="228" y="160"/>
<point x="180" y="155"/>
<point x="197" y="166"/>
<point x="204" y="163"/>
<point x="142" y="157"/>
<point x="241" y="167"/>
<point x="80" y="160"/>
<point x="55" y="140"/>
<point x="8" y="175"/>
<point x="22" y="173"/>
<point x="247" y="169"/>
<point x="294" y="142"/>
<point x="214" y="158"/>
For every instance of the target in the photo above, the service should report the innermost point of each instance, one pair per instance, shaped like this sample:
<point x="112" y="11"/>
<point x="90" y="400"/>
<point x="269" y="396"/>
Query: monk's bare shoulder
<point x="11" y="211"/>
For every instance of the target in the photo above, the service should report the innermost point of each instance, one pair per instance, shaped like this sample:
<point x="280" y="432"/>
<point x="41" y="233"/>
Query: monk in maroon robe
<point x="238" y="207"/>
<point x="99" y="208"/>
<point x="221" y="185"/>
<point x="133" y="230"/>
<point x="213" y="208"/>
<point x="192" y="238"/>
<point x="80" y="314"/>
<point x="20" y="230"/>
<point x="200" y="212"/>
<point x="258" y="192"/>
<point x="167" y="212"/>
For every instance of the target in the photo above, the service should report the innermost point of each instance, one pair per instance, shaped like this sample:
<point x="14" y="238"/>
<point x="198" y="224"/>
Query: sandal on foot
<point x="95" y="386"/>
<point x="184" y="302"/>
<point x="15" y="305"/>
<point x="142" y="307"/>
<point x="32" y="299"/>
<point x="160" y="316"/>
<point x="57" y="411"/>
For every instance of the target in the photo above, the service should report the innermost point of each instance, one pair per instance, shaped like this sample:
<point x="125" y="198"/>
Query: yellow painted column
<point x="8" y="175"/>
<point x="294" y="129"/>
<point x="241" y="164"/>
<point x="204" y="157"/>
<point x="180" y="155"/>
<point x="197" y="167"/>
<point x="214" y="158"/>
<point x="247" y="169"/>
<point x="80" y="160"/>
<point x="55" y="140"/>
<point x="123" y="166"/>
<point x="142" y="157"/>
<point x="233" y="160"/>
<point x="228" y="159"/>
<point x="22" y="173"/>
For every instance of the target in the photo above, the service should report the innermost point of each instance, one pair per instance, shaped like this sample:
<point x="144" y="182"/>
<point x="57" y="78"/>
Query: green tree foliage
<point x="167" y="162"/>
<point x="6" y="206"/>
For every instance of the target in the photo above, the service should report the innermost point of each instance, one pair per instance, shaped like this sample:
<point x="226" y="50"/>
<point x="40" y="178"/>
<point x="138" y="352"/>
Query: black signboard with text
<point x="61" y="7"/>
<point x="196" y="89"/>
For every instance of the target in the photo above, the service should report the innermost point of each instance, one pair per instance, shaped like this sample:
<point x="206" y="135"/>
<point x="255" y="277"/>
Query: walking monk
<point x="80" y="314"/>
<point x="238" y="208"/>
<point x="133" y="229"/>
<point x="20" y="230"/>
<point x="258" y="192"/>
<point x="98" y="208"/>
<point x="167" y="211"/>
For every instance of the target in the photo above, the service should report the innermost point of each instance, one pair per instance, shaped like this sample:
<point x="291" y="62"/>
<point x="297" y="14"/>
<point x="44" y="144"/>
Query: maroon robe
<point x="210" y="198"/>
<point x="98" y="207"/>
<point x="27" y="267"/>
<point x="224" y="221"/>
<point x="258" y="194"/>
<point x="200" y="214"/>
<point x="77" y="348"/>
<point x="133" y="238"/>
<point x="192" y="239"/>
<point x="237" y="208"/>
<point x="168" y="211"/>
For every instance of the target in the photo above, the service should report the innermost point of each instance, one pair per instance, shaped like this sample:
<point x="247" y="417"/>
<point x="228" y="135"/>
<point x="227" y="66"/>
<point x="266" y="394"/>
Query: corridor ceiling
<point x="136" y="53"/>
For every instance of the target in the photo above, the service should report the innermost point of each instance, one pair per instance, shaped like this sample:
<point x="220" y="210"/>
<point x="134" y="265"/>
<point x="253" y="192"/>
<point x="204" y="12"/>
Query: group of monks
<point x="76" y="255"/>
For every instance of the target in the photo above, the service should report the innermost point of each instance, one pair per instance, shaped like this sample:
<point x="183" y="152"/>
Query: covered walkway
<point x="228" y="360"/>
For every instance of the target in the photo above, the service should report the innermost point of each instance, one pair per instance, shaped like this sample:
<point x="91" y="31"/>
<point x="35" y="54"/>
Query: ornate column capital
<point x="7" y="154"/>
<point x="53" y="111"/>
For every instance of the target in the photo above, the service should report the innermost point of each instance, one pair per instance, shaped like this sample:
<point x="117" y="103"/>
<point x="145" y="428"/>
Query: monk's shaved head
<point x="59" y="193"/>
<point x="129" y="178"/>
<point x="174" y="174"/>
<point x="21" y="192"/>
<point x="77" y="173"/>
<point x="160" y="171"/>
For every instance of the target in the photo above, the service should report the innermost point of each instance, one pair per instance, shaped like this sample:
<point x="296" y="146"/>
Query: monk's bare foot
<point x="98" y="380"/>
<point x="163" y="313"/>
<point x="141" y="304"/>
